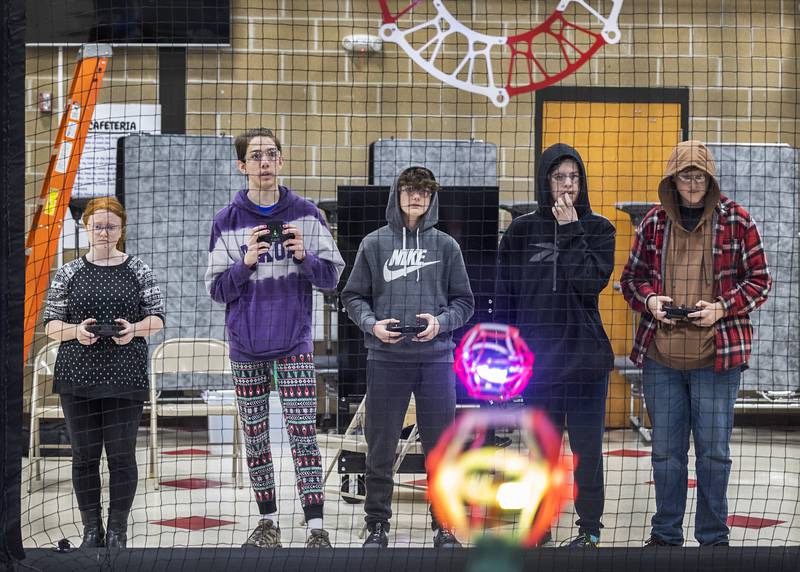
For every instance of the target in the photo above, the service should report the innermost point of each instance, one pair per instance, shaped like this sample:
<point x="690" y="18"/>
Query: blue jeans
<point x="700" y="401"/>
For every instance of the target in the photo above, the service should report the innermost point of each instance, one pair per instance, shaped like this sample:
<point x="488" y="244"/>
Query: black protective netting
<point x="556" y="193"/>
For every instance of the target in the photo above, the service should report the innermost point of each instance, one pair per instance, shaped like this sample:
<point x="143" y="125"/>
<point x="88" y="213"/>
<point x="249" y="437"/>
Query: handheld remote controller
<point x="105" y="330"/>
<point x="406" y="330"/>
<point x="275" y="233"/>
<point x="679" y="312"/>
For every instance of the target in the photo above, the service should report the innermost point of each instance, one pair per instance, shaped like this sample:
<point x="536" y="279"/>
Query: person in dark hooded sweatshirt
<point x="405" y="273"/>
<point x="702" y="251"/>
<point x="552" y="265"/>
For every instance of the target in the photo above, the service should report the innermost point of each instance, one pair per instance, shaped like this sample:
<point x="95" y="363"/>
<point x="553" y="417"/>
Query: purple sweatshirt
<point x="268" y="307"/>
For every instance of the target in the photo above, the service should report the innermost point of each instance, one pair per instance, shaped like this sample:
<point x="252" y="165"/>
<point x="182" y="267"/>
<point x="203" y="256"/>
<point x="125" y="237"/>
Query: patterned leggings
<point x="296" y="383"/>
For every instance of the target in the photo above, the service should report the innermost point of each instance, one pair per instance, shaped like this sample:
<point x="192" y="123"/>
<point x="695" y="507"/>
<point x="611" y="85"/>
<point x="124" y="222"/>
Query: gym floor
<point x="197" y="503"/>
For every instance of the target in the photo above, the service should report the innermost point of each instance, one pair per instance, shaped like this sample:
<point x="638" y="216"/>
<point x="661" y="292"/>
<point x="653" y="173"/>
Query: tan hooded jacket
<point x="688" y="263"/>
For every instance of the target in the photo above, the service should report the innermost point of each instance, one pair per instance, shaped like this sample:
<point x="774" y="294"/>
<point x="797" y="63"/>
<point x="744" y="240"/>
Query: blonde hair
<point x="112" y="205"/>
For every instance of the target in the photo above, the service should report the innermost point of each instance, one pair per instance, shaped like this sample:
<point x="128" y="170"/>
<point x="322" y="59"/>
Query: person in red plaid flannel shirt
<point x="699" y="251"/>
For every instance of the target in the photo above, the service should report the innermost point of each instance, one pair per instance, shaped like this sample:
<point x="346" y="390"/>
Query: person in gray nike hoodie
<point x="407" y="273"/>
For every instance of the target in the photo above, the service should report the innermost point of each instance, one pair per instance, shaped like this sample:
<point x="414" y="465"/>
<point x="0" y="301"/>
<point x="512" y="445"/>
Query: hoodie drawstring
<point x="555" y="257"/>
<point x="417" y="249"/>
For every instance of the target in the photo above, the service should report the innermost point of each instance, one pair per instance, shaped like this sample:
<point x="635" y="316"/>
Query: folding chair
<point x="44" y="405"/>
<point x="190" y="355"/>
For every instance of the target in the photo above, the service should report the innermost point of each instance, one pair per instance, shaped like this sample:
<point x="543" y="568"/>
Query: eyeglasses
<point x="696" y="177"/>
<point x="562" y="177"/>
<point x="269" y="155"/>
<point x="424" y="193"/>
<point x="109" y="228"/>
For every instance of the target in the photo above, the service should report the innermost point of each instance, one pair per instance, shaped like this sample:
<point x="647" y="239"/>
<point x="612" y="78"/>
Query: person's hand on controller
<point x="431" y="331"/>
<point x="294" y="242"/>
<point x="126" y="334"/>
<point x="707" y="313"/>
<point x="84" y="336"/>
<point x="255" y="246"/>
<point x="379" y="331"/>
<point x="655" y="304"/>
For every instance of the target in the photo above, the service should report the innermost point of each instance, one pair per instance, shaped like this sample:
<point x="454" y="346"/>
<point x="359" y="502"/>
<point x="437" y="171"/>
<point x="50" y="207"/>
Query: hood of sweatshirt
<point x="688" y="154"/>
<point x="394" y="215"/>
<point x="242" y="201"/>
<point x="544" y="196"/>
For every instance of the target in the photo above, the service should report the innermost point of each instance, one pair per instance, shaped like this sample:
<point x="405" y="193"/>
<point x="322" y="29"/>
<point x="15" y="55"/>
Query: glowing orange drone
<point x="523" y="48"/>
<point x="515" y="492"/>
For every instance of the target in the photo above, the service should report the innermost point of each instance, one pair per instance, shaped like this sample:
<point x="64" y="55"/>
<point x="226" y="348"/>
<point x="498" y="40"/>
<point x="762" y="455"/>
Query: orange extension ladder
<point x="42" y="243"/>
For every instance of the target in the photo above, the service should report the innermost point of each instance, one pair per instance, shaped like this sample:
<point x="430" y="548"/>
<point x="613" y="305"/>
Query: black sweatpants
<point x="389" y="389"/>
<point x="581" y="406"/>
<point x="92" y="424"/>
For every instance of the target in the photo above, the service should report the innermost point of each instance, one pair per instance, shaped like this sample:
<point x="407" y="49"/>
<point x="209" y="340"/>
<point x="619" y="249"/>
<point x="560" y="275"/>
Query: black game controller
<point x="105" y="330"/>
<point x="407" y="330"/>
<point x="275" y="233"/>
<point x="679" y="312"/>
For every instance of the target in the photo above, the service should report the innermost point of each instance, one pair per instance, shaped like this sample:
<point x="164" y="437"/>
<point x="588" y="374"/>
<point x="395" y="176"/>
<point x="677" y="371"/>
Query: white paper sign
<point x="98" y="168"/>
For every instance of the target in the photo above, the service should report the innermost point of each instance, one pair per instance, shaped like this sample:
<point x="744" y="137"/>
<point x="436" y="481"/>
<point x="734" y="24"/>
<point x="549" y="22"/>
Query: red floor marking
<point x="187" y="452"/>
<point x="193" y="483"/>
<point x="496" y="522"/>
<point x="692" y="483"/>
<point x="751" y="521"/>
<point x="194" y="522"/>
<point x="628" y="453"/>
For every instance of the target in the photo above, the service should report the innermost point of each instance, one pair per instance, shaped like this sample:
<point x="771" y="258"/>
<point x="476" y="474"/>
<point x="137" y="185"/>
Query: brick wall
<point x="286" y="68"/>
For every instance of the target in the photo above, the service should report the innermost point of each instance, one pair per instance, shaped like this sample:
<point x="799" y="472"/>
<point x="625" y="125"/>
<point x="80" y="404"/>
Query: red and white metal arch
<point x="480" y="46"/>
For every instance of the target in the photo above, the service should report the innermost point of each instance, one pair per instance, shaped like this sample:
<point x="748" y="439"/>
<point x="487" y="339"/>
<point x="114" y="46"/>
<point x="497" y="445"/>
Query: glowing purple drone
<point x="493" y="362"/>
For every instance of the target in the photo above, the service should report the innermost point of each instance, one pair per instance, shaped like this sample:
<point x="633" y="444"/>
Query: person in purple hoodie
<point x="265" y="282"/>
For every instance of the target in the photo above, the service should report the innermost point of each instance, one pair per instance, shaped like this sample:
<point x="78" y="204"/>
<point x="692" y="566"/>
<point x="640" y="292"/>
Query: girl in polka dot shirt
<point x="102" y="379"/>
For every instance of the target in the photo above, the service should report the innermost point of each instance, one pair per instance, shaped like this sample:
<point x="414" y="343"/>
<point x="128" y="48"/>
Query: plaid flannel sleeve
<point x="751" y="289"/>
<point x="635" y="280"/>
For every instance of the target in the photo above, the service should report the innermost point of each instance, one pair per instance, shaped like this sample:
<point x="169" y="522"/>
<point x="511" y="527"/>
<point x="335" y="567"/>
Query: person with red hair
<point x="100" y="307"/>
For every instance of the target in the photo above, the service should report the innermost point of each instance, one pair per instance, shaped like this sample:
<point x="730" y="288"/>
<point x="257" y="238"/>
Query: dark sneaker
<point x="718" y="543"/>
<point x="266" y="535"/>
<point x="445" y="538"/>
<point x="656" y="541"/>
<point x="502" y="442"/>
<point x="318" y="538"/>
<point x="546" y="541"/>
<point x="377" y="536"/>
<point x="583" y="540"/>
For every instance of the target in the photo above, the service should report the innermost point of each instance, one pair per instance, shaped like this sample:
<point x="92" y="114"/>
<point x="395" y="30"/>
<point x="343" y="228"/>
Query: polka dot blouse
<point x="82" y="290"/>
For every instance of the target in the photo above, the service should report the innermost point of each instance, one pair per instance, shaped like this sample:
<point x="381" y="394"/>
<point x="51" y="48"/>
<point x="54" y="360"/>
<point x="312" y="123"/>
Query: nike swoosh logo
<point x="389" y="275"/>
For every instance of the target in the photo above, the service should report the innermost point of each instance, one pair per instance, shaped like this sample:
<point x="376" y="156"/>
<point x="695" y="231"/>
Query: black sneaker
<point x="656" y="541"/>
<point x="546" y="541"/>
<point x="377" y="536"/>
<point x="266" y="535"/>
<point x="445" y="538"/>
<point x="502" y="442"/>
